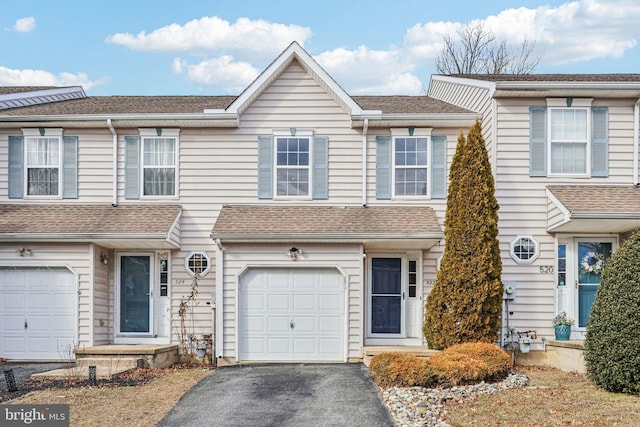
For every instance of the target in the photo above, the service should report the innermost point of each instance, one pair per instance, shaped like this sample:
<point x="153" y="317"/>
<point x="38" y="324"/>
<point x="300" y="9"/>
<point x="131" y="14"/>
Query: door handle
<point x="292" y="324"/>
<point x="26" y="324"/>
<point x="403" y="295"/>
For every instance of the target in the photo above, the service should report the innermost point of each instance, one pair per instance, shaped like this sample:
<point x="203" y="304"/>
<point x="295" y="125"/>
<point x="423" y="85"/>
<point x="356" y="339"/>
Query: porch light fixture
<point x="104" y="258"/>
<point x="24" y="251"/>
<point x="294" y="253"/>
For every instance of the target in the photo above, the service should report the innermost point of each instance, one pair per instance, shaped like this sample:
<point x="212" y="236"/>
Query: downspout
<point x="636" y="137"/>
<point x="219" y="299"/>
<point x="365" y="128"/>
<point x="114" y="202"/>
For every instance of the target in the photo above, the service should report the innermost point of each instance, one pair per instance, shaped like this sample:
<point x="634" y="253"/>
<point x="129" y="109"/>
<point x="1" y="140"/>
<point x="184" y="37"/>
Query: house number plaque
<point x="546" y="269"/>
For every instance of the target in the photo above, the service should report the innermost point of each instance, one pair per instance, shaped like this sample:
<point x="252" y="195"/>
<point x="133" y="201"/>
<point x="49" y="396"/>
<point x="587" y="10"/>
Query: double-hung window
<point x="569" y="137"/>
<point x="151" y="163"/>
<point x="411" y="163"/>
<point x="292" y="166"/>
<point x="43" y="164"/>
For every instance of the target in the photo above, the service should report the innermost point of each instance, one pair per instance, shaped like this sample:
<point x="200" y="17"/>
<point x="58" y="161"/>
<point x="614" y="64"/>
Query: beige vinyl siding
<point x="554" y="215"/>
<point x="73" y="256"/>
<point x="102" y="296"/>
<point x="525" y="210"/>
<point x="347" y="257"/>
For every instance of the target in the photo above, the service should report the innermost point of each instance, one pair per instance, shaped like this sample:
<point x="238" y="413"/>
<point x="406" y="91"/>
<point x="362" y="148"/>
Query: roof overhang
<point x="564" y="89"/>
<point x="415" y="120"/>
<point x="112" y="241"/>
<point x="217" y="119"/>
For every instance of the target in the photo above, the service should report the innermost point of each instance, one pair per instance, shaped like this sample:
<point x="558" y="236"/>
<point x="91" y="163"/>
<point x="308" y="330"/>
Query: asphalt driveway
<point x="282" y="395"/>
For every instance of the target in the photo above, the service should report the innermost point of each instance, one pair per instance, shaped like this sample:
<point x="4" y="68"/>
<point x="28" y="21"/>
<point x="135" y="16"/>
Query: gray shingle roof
<point x="317" y="221"/>
<point x="86" y="219"/>
<point x="598" y="198"/>
<point x="595" y="78"/>
<point x="407" y="104"/>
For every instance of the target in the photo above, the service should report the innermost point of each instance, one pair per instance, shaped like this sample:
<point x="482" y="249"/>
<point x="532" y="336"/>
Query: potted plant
<point x="562" y="326"/>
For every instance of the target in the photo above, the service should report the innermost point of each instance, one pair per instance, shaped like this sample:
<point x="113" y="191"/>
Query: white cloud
<point x="245" y="38"/>
<point x="24" y="25"/>
<point x="222" y="72"/>
<point x="11" y="77"/>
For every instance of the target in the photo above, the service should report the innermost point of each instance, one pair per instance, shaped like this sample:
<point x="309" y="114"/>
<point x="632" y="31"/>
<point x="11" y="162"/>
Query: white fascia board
<point x="486" y="84"/>
<point x="329" y="237"/>
<point x="567" y="85"/>
<point x="293" y="51"/>
<point x="116" y="117"/>
<point x="44" y="92"/>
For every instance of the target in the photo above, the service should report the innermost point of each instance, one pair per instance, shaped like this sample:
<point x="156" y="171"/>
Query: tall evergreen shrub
<point x="612" y="344"/>
<point x="465" y="303"/>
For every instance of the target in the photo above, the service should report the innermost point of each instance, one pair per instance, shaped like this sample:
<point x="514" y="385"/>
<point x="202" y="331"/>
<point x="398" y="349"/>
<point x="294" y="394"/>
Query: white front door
<point x="291" y="314"/>
<point x="38" y="313"/>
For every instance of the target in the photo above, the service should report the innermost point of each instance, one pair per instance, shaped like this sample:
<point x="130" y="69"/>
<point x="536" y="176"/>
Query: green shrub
<point x="612" y="343"/>
<point x="401" y="370"/>
<point x="465" y="304"/>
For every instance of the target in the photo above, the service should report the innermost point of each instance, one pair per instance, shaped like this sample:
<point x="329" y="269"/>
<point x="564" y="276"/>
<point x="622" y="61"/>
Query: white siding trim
<point x="565" y="212"/>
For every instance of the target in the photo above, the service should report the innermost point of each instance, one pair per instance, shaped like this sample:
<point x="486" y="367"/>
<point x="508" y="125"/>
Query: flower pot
<point x="563" y="332"/>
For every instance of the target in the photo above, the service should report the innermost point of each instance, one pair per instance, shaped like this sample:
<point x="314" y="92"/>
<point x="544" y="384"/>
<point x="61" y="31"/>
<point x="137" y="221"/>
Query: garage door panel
<point x="253" y="324"/>
<point x="312" y="301"/>
<point x="255" y="302"/>
<point x="46" y="300"/>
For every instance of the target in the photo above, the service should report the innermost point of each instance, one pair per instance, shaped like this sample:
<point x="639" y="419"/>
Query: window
<point x="198" y="263"/>
<point x="159" y="166"/>
<point x="43" y="163"/>
<point x="524" y="249"/>
<point x="410" y="161"/>
<point x="151" y="163"/>
<point x="43" y="166"/>
<point x="569" y="130"/>
<point x="292" y="166"/>
<point x="569" y="137"/>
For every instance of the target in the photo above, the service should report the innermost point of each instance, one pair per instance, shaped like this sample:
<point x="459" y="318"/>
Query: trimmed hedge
<point x="613" y="331"/>
<point x="459" y="364"/>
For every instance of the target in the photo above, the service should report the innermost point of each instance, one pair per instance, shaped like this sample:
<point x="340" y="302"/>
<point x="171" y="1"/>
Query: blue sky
<point x="218" y="47"/>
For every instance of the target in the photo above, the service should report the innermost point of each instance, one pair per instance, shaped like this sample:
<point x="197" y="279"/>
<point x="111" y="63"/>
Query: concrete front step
<point x="78" y="371"/>
<point x="142" y="356"/>
<point x="417" y="350"/>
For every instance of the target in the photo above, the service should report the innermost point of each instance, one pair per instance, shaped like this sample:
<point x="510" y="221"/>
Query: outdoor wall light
<point x="294" y="253"/>
<point x="24" y="252"/>
<point x="104" y="259"/>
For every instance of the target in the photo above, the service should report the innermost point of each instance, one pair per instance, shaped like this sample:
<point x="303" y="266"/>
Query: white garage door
<point x="38" y="317"/>
<point x="291" y="315"/>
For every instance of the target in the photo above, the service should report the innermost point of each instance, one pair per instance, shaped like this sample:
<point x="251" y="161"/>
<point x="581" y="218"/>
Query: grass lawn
<point x="553" y="398"/>
<point x="142" y="405"/>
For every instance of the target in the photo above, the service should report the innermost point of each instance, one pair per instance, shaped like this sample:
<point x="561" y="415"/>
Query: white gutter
<point x="494" y="136"/>
<point x="365" y="128"/>
<point x="118" y="117"/>
<point x="114" y="203"/>
<point x="219" y="297"/>
<point x="636" y="136"/>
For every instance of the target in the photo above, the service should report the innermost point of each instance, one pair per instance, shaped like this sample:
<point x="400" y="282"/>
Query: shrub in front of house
<point x="401" y="370"/>
<point x="465" y="303"/>
<point x="613" y="331"/>
<point x="461" y="364"/>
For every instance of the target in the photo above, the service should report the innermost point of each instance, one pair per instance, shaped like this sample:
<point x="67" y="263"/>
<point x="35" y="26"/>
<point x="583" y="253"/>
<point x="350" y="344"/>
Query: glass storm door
<point x="592" y="255"/>
<point x="387" y="297"/>
<point x="135" y="294"/>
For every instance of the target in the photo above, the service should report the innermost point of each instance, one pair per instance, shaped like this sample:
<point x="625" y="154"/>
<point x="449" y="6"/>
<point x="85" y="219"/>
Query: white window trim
<point x="35" y="133"/>
<point x="404" y="133"/>
<point x="576" y="104"/>
<point x="166" y="133"/>
<point x="203" y="272"/>
<point x="292" y="134"/>
<point x="524" y="261"/>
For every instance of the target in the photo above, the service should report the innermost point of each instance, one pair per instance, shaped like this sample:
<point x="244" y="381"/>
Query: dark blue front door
<point x="386" y="296"/>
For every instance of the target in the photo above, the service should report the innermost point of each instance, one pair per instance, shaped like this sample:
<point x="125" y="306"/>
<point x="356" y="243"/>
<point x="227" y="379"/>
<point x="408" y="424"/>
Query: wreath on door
<point x="592" y="263"/>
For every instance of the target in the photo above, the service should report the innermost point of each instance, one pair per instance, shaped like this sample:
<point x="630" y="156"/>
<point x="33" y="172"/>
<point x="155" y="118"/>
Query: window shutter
<point x="131" y="167"/>
<point x="600" y="141"/>
<point x="438" y="167"/>
<point x="70" y="167"/>
<point x="265" y="167"/>
<point x="383" y="167"/>
<point x="16" y="164"/>
<point x="321" y="167"/>
<point x="538" y="141"/>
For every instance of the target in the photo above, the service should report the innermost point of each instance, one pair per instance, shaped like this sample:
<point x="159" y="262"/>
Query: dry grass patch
<point x="142" y="405"/>
<point x="553" y="398"/>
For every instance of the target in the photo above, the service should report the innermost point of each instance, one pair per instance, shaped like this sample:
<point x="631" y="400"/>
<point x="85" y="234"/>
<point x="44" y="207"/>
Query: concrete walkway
<point x="282" y="395"/>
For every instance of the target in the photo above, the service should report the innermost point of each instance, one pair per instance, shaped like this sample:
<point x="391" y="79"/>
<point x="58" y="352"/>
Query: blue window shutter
<point x="600" y="141"/>
<point x="70" y="167"/>
<point x="131" y="167"/>
<point x="438" y="167"/>
<point x="265" y="167"/>
<point x="383" y="167"/>
<point x="321" y="167"/>
<point x="538" y="141"/>
<point x="16" y="165"/>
